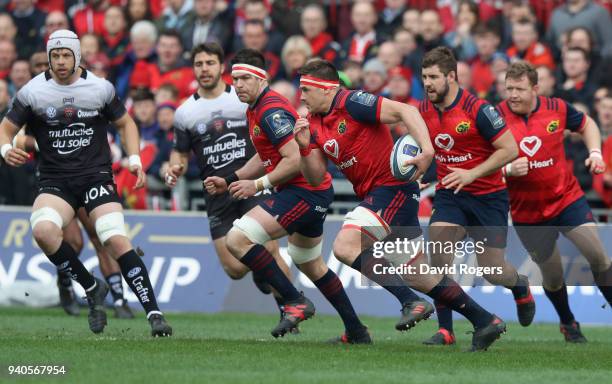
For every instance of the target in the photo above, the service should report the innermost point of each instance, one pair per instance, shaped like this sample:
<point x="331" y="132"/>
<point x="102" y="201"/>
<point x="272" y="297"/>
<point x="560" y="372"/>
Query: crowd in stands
<point x="142" y="47"/>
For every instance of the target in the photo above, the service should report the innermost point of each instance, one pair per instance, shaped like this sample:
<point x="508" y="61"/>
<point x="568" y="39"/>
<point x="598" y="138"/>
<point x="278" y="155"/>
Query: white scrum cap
<point x="64" y="38"/>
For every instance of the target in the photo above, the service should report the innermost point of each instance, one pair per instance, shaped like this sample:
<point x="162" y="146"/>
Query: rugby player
<point x="472" y="143"/>
<point x="545" y="198"/>
<point x="73" y="236"/>
<point x="297" y="209"/>
<point x="68" y="109"/>
<point x="348" y="128"/>
<point x="213" y="124"/>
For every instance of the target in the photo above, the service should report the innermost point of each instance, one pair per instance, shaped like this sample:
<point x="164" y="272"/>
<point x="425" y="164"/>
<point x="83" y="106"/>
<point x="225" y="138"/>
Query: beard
<point x="213" y="84"/>
<point x="438" y="97"/>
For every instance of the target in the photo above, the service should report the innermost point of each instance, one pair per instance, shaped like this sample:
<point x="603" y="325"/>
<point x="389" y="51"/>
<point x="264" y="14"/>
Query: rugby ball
<point x="405" y="148"/>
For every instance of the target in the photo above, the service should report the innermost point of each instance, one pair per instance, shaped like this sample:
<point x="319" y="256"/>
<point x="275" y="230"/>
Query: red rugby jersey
<point x="353" y="138"/>
<point x="462" y="135"/>
<point x="271" y="121"/>
<point x="550" y="185"/>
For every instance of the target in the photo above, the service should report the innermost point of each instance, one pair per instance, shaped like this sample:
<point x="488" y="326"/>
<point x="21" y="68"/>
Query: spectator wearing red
<point x="525" y="45"/>
<point x="146" y="119"/>
<point x="90" y="19"/>
<point x="314" y="24"/>
<point x="487" y="43"/>
<point x="363" y="43"/>
<point x="603" y="183"/>
<point x="90" y="46"/>
<point x="115" y="40"/>
<point x="172" y="67"/>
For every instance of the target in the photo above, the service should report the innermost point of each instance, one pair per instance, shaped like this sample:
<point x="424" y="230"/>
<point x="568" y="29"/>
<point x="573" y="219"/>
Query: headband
<point x="246" y="69"/>
<point x="319" y="83"/>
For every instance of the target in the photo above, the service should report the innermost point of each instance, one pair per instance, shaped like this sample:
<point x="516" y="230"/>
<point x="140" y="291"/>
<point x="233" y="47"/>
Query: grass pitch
<point x="228" y="348"/>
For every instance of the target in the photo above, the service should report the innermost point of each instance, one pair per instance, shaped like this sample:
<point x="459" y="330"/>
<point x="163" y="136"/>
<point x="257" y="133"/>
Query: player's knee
<point x="236" y="241"/>
<point x="553" y="284"/>
<point x="110" y="225"/>
<point x="46" y="225"/>
<point x="245" y="232"/>
<point x="343" y="250"/>
<point x="301" y="255"/>
<point x="235" y="273"/>
<point x="46" y="233"/>
<point x="368" y="222"/>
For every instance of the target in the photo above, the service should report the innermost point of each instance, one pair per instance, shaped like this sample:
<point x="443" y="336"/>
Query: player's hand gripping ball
<point x="404" y="150"/>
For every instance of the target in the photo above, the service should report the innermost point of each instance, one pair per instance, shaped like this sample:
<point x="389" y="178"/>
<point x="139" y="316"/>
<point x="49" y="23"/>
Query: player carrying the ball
<point x="472" y="143"/>
<point x="348" y="127"/>
<point x="545" y="198"/>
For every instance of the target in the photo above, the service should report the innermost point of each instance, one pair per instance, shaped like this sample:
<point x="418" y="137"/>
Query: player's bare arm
<point x="287" y="169"/>
<point x="13" y="156"/>
<point x="130" y="139"/>
<point x="25" y="142"/>
<point x="313" y="163"/>
<point x="592" y="140"/>
<point x="252" y="169"/>
<point x="394" y="112"/>
<point x="505" y="151"/>
<point x="177" y="166"/>
<point x="517" y="168"/>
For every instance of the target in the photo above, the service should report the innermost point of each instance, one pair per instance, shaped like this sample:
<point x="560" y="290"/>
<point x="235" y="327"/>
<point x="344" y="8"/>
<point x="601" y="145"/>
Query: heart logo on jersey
<point x="444" y="141"/>
<point x="530" y="145"/>
<point x="331" y="147"/>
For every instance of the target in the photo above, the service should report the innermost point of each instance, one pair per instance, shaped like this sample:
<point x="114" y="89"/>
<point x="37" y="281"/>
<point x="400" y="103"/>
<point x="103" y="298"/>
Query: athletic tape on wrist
<point x="134" y="160"/>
